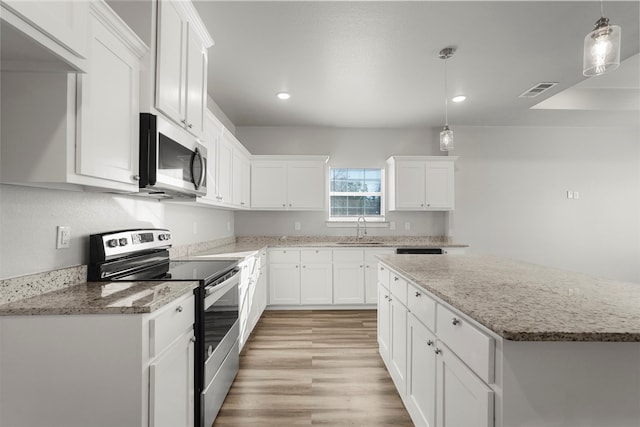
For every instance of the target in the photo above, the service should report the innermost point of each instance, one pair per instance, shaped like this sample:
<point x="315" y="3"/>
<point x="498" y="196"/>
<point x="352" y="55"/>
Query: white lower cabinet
<point x="421" y="373"/>
<point x="384" y="313"/>
<point x="316" y="277"/>
<point x="99" y="370"/>
<point x="323" y="276"/>
<point x="169" y="376"/>
<point x="439" y="387"/>
<point x="462" y="399"/>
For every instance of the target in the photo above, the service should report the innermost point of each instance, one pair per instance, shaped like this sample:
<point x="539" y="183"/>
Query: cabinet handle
<point x="390" y="299"/>
<point x="297" y="266"/>
<point x="179" y="309"/>
<point x="395" y="278"/>
<point x="183" y="121"/>
<point x="422" y="205"/>
<point x="283" y="205"/>
<point x="418" y="294"/>
<point x="367" y="266"/>
<point x="430" y="343"/>
<point x="190" y="126"/>
<point x="438" y="351"/>
<point x="136" y="177"/>
<point x="360" y="266"/>
<point x="193" y="339"/>
<point x="304" y="266"/>
<point x="381" y="268"/>
<point x="455" y="321"/>
<point x="289" y="204"/>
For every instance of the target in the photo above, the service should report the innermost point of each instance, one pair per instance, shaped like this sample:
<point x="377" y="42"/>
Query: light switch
<point x="569" y="194"/>
<point x="576" y="195"/>
<point x="296" y="225"/>
<point x="63" y="238"/>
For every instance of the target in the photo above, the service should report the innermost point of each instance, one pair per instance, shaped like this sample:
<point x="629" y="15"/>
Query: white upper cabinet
<point x="86" y="132"/>
<point x="288" y="182"/>
<point x="42" y="35"/>
<point x="418" y="183"/>
<point x="108" y="112"/>
<point x="181" y="65"/>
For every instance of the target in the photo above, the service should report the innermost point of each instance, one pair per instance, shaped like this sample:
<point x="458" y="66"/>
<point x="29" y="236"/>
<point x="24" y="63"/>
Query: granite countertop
<point x="527" y="302"/>
<point x="247" y="246"/>
<point x="101" y="298"/>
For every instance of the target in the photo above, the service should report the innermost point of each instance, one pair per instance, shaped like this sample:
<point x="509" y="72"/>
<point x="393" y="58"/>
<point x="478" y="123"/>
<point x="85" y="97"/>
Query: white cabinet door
<point x="245" y="199"/>
<point x="316" y="284"/>
<point x="384" y="322"/>
<point x="305" y="185"/>
<point x="410" y="185"/>
<point x="268" y="185"/>
<point x="398" y="343"/>
<point x="171" y="386"/>
<point x="225" y="177"/>
<point x="284" y="284"/>
<point x="108" y="113"/>
<point x="462" y="399"/>
<point x="440" y="193"/>
<point x="171" y="62"/>
<point x="371" y="273"/>
<point x="237" y="174"/>
<point x="196" y="84"/>
<point x="213" y="134"/>
<point x="421" y="373"/>
<point x="348" y="283"/>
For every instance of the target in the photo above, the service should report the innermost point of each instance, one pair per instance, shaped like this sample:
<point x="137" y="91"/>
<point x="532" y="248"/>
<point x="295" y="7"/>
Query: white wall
<point x="346" y="148"/>
<point x="29" y="216"/>
<point x="511" y="196"/>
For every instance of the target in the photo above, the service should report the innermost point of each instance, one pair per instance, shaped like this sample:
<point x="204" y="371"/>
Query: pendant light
<point x="601" y="47"/>
<point x="446" y="136"/>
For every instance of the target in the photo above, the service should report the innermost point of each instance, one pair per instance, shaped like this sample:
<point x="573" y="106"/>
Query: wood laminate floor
<point x="303" y="368"/>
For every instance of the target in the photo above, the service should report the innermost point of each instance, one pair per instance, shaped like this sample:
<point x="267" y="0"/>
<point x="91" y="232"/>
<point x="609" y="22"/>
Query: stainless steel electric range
<point x="143" y="255"/>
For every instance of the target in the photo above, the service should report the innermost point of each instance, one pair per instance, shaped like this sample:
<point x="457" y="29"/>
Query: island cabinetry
<point x="440" y="362"/>
<point x="371" y="273"/>
<point x="288" y="182"/>
<point x="87" y="128"/>
<point x="316" y="276"/>
<point x="181" y="77"/>
<point x="59" y="29"/>
<point x="141" y="364"/>
<point x="418" y="183"/>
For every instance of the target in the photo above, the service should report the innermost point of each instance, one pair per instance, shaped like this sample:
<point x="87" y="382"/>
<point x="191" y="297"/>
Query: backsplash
<point x="35" y="284"/>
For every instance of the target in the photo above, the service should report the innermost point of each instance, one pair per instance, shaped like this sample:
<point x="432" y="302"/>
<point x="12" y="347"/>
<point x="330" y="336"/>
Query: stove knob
<point x="161" y="236"/>
<point x="123" y="242"/>
<point x="112" y="243"/>
<point x="167" y="236"/>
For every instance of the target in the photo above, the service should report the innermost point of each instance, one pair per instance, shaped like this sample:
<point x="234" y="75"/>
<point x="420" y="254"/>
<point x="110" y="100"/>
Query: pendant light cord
<point x="446" y="101"/>
<point x="602" y="8"/>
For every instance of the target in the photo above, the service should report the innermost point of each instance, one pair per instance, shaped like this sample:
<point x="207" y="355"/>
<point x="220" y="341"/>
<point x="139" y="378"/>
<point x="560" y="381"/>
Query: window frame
<point x="352" y="219"/>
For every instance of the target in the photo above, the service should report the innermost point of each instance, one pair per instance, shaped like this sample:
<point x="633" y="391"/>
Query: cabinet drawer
<point x="383" y="275"/>
<point x="349" y="256"/>
<point x="316" y="256"/>
<point x="173" y="320"/>
<point x="398" y="287"/>
<point x="471" y="345"/>
<point x="284" y="255"/>
<point x="422" y="306"/>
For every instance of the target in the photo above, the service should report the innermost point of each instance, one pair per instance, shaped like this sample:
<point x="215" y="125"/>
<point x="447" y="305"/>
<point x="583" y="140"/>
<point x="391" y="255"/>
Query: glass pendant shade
<point x="446" y="139"/>
<point x="601" y="49"/>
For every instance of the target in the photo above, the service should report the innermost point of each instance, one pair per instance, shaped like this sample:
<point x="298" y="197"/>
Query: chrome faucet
<point x="364" y="221"/>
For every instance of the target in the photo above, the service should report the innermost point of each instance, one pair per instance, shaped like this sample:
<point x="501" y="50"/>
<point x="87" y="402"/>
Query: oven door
<point x="171" y="160"/>
<point x="220" y="352"/>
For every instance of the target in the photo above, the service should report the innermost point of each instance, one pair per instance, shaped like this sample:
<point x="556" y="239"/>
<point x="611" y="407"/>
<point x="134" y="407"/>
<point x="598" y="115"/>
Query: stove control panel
<point x="118" y="243"/>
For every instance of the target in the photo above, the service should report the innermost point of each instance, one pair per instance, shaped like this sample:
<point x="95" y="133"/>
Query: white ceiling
<point x="375" y="64"/>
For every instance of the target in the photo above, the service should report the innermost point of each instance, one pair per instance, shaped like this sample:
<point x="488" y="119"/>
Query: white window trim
<point x="349" y="222"/>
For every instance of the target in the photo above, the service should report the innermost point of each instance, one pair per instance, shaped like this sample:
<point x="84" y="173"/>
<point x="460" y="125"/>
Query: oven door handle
<point x="213" y="293"/>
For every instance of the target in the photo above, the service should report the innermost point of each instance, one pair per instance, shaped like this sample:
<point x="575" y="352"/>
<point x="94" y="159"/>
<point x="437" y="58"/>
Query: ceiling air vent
<point x="537" y="89"/>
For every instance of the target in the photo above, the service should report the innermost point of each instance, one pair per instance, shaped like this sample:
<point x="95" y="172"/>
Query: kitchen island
<point x="486" y="341"/>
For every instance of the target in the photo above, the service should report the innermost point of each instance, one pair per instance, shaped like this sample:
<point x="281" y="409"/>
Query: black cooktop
<point x="199" y="270"/>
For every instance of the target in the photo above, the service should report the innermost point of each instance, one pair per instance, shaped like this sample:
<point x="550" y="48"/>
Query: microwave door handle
<point x="198" y="155"/>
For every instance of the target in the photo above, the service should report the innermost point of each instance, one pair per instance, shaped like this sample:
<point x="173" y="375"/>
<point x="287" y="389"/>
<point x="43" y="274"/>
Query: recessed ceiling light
<point x="283" y="95"/>
<point x="458" y="98"/>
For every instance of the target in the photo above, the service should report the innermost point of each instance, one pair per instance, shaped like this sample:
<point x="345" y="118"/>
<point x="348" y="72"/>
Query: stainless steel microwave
<point x="172" y="162"/>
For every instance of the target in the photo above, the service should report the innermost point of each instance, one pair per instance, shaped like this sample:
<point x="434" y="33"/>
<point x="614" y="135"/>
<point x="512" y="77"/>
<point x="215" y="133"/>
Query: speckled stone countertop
<point x="527" y="302"/>
<point x="101" y="298"/>
<point x="244" y="246"/>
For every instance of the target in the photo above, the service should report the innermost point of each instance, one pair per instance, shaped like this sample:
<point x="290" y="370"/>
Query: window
<point x="354" y="193"/>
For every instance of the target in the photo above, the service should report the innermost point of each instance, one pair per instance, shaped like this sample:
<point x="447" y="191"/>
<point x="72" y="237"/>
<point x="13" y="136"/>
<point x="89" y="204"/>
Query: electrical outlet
<point x="296" y="225"/>
<point x="63" y="237"/>
<point x="576" y="195"/>
<point x="569" y="194"/>
<point x="407" y="226"/>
